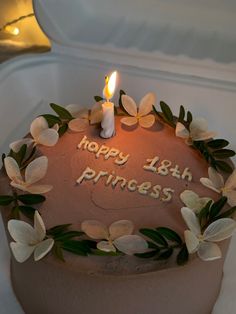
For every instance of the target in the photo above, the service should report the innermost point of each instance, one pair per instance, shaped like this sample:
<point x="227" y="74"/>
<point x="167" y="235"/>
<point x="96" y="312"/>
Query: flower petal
<point x="36" y="170"/>
<point x="78" y="124"/>
<point x="16" y="146"/>
<point x="19" y="186"/>
<point x="120" y="228"/>
<point x="95" y="229"/>
<point x="147" y="121"/>
<point x="208" y="251"/>
<point x="39" y="226"/>
<point x="48" y="137"/>
<point x="181" y="131"/>
<point x="12" y="169"/>
<point x="55" y="127"/>
<point x="231" y="196"/>
<point x="96" y="113"/>
<point x="22" y="232"/>
<point x="129" y="105"/>
<point x="43" y="248"/>
<point x="21" y="251"/>
<point x="231" y="181"/>
<point x="193" y="201"/>
<point x="216" y="178"/>
<point x="74" y="109"/>
<point x="191" y="220"/>
<point x="209" y="184"/>
<point x="191" y="241"/>
<point x="129" y="121"/>
<point x="146" y="103"/>
<point x="37" y="126"/>
<point x="38" y="188"/>
<point x="106" y="246"/>
<point x="202" y="136"/>
<point x="198" y="125"/>
<point x="131" y="244"/>
<point x="83" y="114"/>
<point x="219" y="230"/>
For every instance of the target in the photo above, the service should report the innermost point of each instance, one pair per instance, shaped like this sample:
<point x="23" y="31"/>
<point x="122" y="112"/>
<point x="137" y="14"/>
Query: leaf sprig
<point x="65" y="239"/>
<point x="213" y="151"/>
<point x="21" y="204"/>
<point x="164" y="242"/>
<point x="213" y="211"/>
<point x="62" y="118"/>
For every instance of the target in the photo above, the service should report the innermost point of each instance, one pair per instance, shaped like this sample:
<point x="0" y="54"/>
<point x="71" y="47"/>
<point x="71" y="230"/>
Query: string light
<point x="10" y="28"/>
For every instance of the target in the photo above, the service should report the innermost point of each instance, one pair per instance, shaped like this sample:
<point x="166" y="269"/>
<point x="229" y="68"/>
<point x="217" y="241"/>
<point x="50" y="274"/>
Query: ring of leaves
<point x="162" y="241"/>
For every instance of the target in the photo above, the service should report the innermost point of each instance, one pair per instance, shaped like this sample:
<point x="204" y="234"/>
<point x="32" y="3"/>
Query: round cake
<point x="143" y="175"/>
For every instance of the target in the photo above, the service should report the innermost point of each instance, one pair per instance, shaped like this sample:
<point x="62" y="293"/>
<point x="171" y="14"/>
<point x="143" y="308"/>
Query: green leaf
<point x="58" y="252"/>
<point x="15" y="213"/>
<point x="3" y="157"/>
<point x="167" y="112"/>
<point x="227" y="213"/>
<point x="217" y="207"/>
<point x="61" y="111"/>
<point x="223" y="153"/>
<point x="76" y="247"/>
<point x="189" y="117"/>
<point x="120" y="101"/>
<point x="52" y="120"/>
<point x="31" y="199"/>
<point x="20" y="155"/>
<point x="183" y="256"/>
<point x="152" y="245"/>
<point x="169" y="234"/>
<point x="29" y="158"/>
<point x="68" y="235"/>
<point x="58" y="229"/>
<point x="203" y="214"/>
<point x="149" y="254"/>
<point x="154" y="235"/>
<point x="181" y="114"/>
<point x="223" y="166"/>
<point x="165" y="254"/>
<point x="27" y="211"/>
<point x="98" y="98"/>
<point x="218" y="143"/>
<point x="6" y="200"/>
<point x="62" y="130"/>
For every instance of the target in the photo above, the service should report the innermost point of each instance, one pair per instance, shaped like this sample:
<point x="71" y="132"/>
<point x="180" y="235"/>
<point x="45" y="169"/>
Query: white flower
<point x="118" y="236"/>
<point x="193" y="201"/>
<point x="29" y="239"/>
<point x="139" y="114"/>
<point x="216" y="183"/>
<point x="34" y="172"/>
<point x="83" y="118"/>
<point x="41" y="135"/>
<point x="198" y="131"/>
<point x="203" y="244"/>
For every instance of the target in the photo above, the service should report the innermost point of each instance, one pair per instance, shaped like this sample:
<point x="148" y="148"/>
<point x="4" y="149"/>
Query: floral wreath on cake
<point x="208" y="222"/>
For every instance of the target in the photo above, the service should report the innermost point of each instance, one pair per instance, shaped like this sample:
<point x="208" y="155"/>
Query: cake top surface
<point x="132" y="192"/>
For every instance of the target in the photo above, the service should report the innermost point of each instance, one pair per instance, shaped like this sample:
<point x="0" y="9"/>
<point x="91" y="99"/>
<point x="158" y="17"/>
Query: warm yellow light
<point x="12" y="30"/>
<point x="110" y="85"/>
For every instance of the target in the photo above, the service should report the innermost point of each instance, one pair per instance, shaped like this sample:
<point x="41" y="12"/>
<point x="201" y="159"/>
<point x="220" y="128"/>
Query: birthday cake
<point x="130" y="213"/>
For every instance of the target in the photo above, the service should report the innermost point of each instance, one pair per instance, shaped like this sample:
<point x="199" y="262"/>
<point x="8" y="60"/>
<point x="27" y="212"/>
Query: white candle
<point x="108" y="120"/>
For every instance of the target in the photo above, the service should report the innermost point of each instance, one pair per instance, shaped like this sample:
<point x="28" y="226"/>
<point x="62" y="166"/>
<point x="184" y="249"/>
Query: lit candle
<point x="108" y="120"/>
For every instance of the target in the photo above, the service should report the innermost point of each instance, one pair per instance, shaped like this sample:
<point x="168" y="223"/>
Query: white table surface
<point x="226" y="303"/>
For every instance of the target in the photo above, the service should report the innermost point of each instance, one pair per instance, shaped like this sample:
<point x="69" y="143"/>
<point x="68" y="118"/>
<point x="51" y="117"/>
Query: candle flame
<point x="110" y="84"/>
<point x="12" y="30"/>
